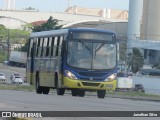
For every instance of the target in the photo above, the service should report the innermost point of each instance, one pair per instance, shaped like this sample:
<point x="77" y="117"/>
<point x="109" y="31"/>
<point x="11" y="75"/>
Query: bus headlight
<point x="70" y="75"/>
<point x="111" y="77"/>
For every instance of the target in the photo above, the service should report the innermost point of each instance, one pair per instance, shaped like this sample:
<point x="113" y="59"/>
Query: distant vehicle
<point x="16" y="78"/>
<point x="17" y="58"/>
<point x="139" y="88"/>
<point x="15" y="74"/>
<point x="2" y="77"/>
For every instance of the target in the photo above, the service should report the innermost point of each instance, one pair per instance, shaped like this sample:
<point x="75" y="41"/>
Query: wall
<point x="150" y="84"/>
<point x="119" y="27"/>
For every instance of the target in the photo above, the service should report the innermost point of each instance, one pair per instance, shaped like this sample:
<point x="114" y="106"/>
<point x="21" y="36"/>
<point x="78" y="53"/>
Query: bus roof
<point x="48" y="33"/>
<point x="91" y="30"/>
<point x="65" y="31"/>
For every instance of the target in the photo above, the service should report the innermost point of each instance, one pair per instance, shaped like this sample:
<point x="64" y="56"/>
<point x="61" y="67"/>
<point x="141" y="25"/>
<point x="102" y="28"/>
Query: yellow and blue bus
<point x="73" y="59"/>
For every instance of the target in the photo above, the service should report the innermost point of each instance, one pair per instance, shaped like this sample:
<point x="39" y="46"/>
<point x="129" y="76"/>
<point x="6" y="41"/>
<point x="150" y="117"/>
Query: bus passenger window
<point x="48" y="47"/>
<point x="45" y="46"/>
<point x="30" y="47"/>
<point x="60" y="46"/>
<point x="52" y="45"/>
<point x="38" y="45"/>
<point x="41" y="50"/>
<point x="57" y="47"/>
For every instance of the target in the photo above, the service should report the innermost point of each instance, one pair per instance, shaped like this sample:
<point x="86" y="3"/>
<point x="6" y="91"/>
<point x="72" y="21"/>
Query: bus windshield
<point x="91" y="55"/>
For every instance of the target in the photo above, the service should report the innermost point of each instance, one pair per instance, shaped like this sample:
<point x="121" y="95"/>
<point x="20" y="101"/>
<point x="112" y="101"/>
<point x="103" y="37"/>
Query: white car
<point x="17" y="79"/>
<point x="2" y="77"/>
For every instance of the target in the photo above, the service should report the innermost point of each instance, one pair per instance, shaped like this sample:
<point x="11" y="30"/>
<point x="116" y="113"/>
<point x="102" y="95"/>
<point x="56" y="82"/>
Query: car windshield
<point x="17" y="77"/>
<point x="89" y="55"/>
<point x="1" y="74"/>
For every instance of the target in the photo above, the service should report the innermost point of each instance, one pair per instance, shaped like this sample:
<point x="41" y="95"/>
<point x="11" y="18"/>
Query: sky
<point x="61" y="5"/>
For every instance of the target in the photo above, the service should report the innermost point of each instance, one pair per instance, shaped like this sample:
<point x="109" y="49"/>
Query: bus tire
<point x="81" y="93"/>
<point x="39" y="89"/>
<point x="74" y="92"/>
<point x="60" y="91"/>
<point x="46" y="90"/>
<point x="101" y="93"/>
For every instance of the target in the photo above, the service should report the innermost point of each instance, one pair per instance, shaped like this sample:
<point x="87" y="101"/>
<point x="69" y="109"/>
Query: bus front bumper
<point x="83" y="84"/>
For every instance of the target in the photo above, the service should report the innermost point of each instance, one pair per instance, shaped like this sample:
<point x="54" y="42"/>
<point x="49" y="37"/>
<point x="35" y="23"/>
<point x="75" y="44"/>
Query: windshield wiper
<point x="99" y="47"/>
<point x="85" y="45"/>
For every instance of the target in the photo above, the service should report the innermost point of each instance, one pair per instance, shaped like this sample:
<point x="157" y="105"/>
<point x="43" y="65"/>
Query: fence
<point x="150" y="84"/>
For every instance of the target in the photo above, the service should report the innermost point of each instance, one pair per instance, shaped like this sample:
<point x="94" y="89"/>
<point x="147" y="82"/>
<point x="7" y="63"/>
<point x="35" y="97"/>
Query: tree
<point x="14" y="35"/>
<point x="18" y="36"/>
<point x="135" y="60"/>
<point x="29" y="8"/>
<point x="3" y="32"/>
<point x="51" y="24"/>
<point x="27" y="27"/>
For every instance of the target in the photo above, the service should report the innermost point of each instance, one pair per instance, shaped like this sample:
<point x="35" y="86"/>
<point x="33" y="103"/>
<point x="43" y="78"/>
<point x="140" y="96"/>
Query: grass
<point x="7" y="86"/>
<point x="134" y="94"/>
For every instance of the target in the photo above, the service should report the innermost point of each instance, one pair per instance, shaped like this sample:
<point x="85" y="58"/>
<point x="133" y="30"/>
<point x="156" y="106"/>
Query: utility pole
<point x="8" y="42"/>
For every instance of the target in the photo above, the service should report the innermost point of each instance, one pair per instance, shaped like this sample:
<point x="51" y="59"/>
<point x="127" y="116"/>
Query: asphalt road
<point x="11" y="100"/>
<point x="30" y="101"/>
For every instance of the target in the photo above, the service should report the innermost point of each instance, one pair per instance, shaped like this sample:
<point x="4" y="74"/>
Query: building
<point x="106" y="13"/>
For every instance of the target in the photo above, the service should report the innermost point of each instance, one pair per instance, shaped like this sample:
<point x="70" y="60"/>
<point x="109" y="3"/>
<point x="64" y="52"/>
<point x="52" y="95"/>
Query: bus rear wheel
<point x="46" y="90"/>
<point x="101" y="93"/>
<point x="39" y="89"/>
<point x="60" y="91"/>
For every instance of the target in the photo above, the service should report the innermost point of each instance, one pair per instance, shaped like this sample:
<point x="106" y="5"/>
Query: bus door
<point x="32" y="63"/>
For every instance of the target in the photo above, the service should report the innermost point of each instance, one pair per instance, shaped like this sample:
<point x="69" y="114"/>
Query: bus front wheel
<point x="78" y="92"/>
<point x="101" y="93"/>
<point x="74" y="92"/>
<point x="60" y="91"/>
<point x="81" y="93"/>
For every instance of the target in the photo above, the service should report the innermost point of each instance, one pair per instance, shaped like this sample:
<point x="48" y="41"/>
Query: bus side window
<point x="30" y="47"/>
<point x="60" y="45"/>
<point x="52" y="46"/>
<point x="45" y="46"/>
<point x="57" y="47"/>
<point x="41" y="46"/>
<point x="48" y="47"/>
<point x="38" y="45"/>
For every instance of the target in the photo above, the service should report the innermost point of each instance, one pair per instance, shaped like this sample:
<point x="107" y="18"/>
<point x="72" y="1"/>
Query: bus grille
<point x="90" y="84"/>
<point x="93" y="79"/>
<point x="91" y="74"/>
